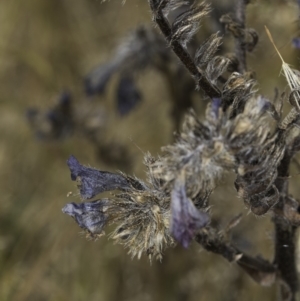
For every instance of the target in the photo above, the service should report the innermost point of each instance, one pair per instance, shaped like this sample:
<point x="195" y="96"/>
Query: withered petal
<point x="89" y="215"/>
<point x="185" y="218"/>
<point x="93" y="181"/>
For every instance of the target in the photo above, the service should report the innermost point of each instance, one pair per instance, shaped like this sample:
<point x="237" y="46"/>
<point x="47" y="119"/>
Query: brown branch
<point x="285" y="250"/>
<point x="240" y="46"/>
<point x="181" y="52"/>
<point x="257" y="268"/>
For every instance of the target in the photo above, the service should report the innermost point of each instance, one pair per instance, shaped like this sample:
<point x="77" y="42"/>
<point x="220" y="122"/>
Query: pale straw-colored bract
<point x="289" y="73"/>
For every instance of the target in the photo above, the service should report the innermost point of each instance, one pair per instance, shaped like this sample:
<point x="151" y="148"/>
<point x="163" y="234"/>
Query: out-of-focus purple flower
<point x="128" y="96"/>
<point x="185" y="218"/>
<point x="57" y="122"/>
<point x="89" y="216"/>
<point x="97" y="80"/>
<point x="93" y="181"/>
<point x="63" y="107"/>
<point x="296" y="42"/>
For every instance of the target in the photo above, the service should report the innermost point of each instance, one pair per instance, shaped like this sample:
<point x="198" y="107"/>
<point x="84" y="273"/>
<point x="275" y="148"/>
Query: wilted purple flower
<point x="89" y="216"/>
<point x="93" y="181"/>
<point x="98" y="79"/>
<point x="185" y="218"/>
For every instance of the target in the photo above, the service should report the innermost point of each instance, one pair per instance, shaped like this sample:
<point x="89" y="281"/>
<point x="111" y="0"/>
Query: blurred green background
<point x="49" y="45"/>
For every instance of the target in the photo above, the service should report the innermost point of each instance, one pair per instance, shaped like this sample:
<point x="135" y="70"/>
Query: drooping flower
<point x="92" y="181"/>
<point x="90" y="216"/>
<point x="186" y="219"/>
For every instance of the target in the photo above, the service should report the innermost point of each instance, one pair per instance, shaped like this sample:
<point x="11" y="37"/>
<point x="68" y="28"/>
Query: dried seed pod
<point x="187" y="23"/>
<point x="232" y="26"/>
<point x="216" y="67"/>
<point x="207" y="50"/>
<point x="171" y="5"/>
<point x="233" y="65"/>
<point x="261" y="204"/>
<point x="236" y="91"/>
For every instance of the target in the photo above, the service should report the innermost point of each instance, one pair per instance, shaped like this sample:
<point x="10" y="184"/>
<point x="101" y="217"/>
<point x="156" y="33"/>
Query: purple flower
<point x="93" y="181"/>
<point x="89" y="216"/>
<point x="215" y="105"/>
<point x="185" y="218"/>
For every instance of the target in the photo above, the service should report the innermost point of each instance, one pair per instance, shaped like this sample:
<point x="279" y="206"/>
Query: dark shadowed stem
<point x="182" y="53"/>
<point x="213" y="242"/>
<point x="285" y="250"/>
<point x="285" y="257"/>
<point x="240" y="48"/>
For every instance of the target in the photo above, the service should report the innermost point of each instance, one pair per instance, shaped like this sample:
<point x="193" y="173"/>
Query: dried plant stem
<point x="240" y="48"/>
<point x="285" y="251"/>
<point x="181" y="52"/>
<point x="285" y="257"/>
<point x="257" y="268"/>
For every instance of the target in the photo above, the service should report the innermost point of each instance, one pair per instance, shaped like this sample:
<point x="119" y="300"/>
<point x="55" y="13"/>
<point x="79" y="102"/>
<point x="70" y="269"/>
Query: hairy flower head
<point x="141" y="212"/>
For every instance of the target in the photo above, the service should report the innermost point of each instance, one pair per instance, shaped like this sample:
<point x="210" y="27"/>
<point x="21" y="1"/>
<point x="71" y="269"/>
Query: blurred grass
<point x="46" y="46"/>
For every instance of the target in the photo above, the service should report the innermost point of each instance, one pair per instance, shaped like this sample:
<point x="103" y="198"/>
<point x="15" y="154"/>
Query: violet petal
<point x="93" y="181"/>
<point x="185" y="218"/>
<point x="89" y="215"/>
